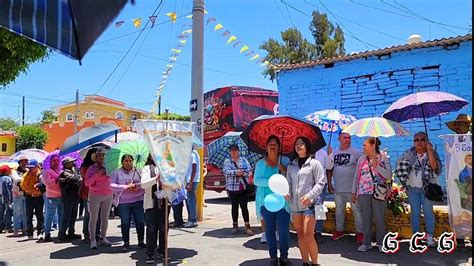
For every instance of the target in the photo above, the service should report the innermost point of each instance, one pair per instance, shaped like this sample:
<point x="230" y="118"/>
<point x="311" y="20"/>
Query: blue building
<point x="366" y="84"/>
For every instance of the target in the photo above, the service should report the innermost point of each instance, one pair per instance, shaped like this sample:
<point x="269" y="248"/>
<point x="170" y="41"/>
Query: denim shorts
<point x="307" y="212"/>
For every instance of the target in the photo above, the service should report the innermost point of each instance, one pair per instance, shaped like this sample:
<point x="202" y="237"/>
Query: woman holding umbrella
<point x="100" y="197"/>
<point x="372" y="171"/>
<point x="236" y="171"/>
<point x="125" y="183"/>
<point x="306" y="179"/>
<point x="264" y="169"/>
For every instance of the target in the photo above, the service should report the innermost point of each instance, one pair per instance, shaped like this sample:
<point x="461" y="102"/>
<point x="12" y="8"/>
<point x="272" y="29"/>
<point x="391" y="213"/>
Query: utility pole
<point x="197" y="84"/>
<point x="23" y="112"/>
<point x="76" y="116"/>
<point x="159" y="105"/>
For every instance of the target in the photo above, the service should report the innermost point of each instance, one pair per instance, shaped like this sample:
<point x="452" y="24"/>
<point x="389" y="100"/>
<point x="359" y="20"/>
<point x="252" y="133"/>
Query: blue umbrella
<point x="330" y="121"/>
<point x="88" y="136"/>
<point x="218" y="150"/>
<point x="68" y="26"/>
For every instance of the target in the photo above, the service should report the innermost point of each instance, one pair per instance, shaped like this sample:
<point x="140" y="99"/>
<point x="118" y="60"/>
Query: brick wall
<point x="367" y="87"/>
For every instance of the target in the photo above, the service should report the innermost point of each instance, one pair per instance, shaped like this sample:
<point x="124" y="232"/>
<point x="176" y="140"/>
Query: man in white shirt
<point x="192" y="180"/>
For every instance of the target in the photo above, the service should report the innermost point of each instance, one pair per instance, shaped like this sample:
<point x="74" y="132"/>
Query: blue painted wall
<point x="367" y="87"/>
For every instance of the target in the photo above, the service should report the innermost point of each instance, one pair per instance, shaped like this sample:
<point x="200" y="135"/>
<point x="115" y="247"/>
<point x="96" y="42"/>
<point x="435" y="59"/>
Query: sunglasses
<point x="416" y="140"/>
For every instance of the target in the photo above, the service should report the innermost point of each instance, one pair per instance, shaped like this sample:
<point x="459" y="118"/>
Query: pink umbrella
<point x="74" y="155"/>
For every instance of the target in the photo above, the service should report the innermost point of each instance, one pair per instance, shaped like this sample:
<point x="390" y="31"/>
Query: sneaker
<point x="63" y="238"/>
<point x="430" y="241"/>
<point x="105" y="242"/>
<point x="190" y="225"/>
<point x="93" y="244"/>
<point x="359" y="238"/>
<point x="126" y="247"/>
<point x="150" y="259"/>
<point x="176" y="225"/>
<point x="364" y="248"/>
<point x="337" y="235"/>
<point x="40" y="236"/>
<point x="141" y="245"/>
<point x="54" y="227"/>
<point x="263" y="239"/>
<point x="249" y="231"/>
<point x="47" y="238"/>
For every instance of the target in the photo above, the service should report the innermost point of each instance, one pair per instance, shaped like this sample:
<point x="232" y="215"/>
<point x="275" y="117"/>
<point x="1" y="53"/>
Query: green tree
<point x="48" y="117"/>
<point x="17" y="53"/>
<point x="30" y="136"/>
<point x="7" y="124"/>
<point x="172" y="116"/>
<point x="328" y="42"/>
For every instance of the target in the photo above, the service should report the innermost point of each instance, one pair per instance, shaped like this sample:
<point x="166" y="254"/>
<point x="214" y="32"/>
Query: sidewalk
<point x="209" y="244"/>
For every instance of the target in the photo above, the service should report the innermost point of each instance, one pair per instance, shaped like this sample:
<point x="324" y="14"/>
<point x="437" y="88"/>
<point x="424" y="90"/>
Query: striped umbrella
<point x="376" y="127"/>
<point x="218" y="150"/>
<point x="36" y="154"/>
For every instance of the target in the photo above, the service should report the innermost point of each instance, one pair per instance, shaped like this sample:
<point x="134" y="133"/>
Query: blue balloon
<point x="274" y="202"/>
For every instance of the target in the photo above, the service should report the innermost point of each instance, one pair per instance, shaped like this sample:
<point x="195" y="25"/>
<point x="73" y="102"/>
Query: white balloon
<point x="279" y="185"/>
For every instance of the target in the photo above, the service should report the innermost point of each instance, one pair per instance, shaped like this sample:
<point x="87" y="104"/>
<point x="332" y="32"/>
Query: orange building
<point x="93" y="110"/>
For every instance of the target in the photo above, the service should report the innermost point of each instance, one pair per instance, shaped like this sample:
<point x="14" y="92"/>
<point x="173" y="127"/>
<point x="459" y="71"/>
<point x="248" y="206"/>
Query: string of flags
<point x="175" y="52"/>
<point x="235" y="42"/>
<point x="138" y="22"/>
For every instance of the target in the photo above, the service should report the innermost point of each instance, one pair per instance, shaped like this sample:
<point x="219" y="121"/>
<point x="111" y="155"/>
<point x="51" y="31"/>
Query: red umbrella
<point x="287" y="128"/>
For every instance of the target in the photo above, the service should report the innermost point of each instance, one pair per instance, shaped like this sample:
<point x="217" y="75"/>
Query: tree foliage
<point x="172" y="116"/>
<point x="30" y="136"/>
<point x="17" y="53"/>
<point x="328" y="42"/>
<point x="48" y="117"/>
<point x="8" y="124"/>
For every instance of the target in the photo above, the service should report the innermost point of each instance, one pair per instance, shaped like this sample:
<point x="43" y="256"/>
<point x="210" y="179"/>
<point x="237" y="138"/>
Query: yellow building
<point x="95" y="108"/>
<point x="7" y="143"/>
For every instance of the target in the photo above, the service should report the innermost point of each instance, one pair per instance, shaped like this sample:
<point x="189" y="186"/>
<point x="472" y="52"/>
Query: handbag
<point x="380" y="190"/>
<point x="250" y="188"/>
<point x="320" y="212"/>
<point x="433" y="192"/>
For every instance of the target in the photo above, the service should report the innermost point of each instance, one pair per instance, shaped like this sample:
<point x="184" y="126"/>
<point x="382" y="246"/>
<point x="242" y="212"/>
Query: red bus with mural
<point x="232" y="109"/>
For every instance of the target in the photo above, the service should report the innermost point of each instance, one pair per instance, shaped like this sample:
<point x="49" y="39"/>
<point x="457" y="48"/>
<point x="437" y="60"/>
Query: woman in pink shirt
<point x="53" y="196"/>
<point x="100" y="197"/>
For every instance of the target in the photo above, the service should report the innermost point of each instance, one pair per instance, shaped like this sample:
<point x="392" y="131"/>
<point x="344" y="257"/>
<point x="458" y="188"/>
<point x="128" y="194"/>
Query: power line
<point x="281" y="12"/>
<point x="366" y="44"/>
<point x="296" y="9"/>
<point x="33" y="97"/>
<point x="128" y="51"/>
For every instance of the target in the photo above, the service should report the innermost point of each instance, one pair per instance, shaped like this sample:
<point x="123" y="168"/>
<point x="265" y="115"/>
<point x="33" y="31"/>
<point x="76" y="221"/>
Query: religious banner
<point x="458" y="157"/>
<point x="170" y="144"/>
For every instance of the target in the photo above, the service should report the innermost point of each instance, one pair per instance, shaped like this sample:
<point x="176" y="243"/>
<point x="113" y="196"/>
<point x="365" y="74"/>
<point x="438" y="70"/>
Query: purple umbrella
<point x="423" y="105"/>
<point x="74" y="155"/>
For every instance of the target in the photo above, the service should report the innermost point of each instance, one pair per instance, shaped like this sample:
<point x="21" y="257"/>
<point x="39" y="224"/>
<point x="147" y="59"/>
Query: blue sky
<point x="368" y="24"/>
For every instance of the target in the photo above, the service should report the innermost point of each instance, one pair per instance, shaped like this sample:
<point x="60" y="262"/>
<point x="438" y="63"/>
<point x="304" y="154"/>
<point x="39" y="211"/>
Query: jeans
<point x="341" y="199"/>
<point x="34" y="206"/>
<point x="6" y="214"/>
<point x="320" y="201"/>
<point x="126" y="211"/>
<point x="68" y="219"/>
<point x="85" y="222"/>
<point x="178" y="213"/>
<point x="281" y="219"/>
<point x="191" y="203"/>
<point x="371" y="207"/>
<point x="239" y="198"/>
<point x="53" y="206"/>
<point x="19" y="213"/>
<point x="417" y="199"/>
<point x="155" y="229"/>
<point x="56" y="217"/>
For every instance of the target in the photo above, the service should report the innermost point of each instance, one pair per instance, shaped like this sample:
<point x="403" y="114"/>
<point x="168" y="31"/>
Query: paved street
<point x="209" y="244"/>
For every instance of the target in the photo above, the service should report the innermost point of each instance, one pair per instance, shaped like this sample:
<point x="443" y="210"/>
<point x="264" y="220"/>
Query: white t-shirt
<point x="194" y="160"/>
<point x="416" y="179"/>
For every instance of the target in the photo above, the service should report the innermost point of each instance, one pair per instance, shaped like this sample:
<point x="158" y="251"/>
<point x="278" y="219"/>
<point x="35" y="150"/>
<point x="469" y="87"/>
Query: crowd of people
<point x="30" y="193"/>
<point x="352" y="176"/>
<point x="359" y="178"/>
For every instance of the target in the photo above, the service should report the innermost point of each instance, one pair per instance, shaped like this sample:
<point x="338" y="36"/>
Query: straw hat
<point x="461" y="118"/>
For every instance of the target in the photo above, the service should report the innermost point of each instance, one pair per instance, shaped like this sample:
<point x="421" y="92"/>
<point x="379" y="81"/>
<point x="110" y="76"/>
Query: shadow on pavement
<point x="80" y="250"/>
<point x="347" y="248"/>
<point x="222" y="201"/>
<point x="260" y="262"/>
<point x="226" y="233"/>
<point x="255" y="243"/>
<point x="177" y="256"/>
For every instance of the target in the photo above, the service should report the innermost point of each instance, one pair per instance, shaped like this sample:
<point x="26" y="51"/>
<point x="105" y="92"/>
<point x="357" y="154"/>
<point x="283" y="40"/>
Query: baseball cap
<point x="68" y="159"/>
<point x="23" y="158"/>
<point x="5" y="168"/>
<point x="32" y="163"/>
